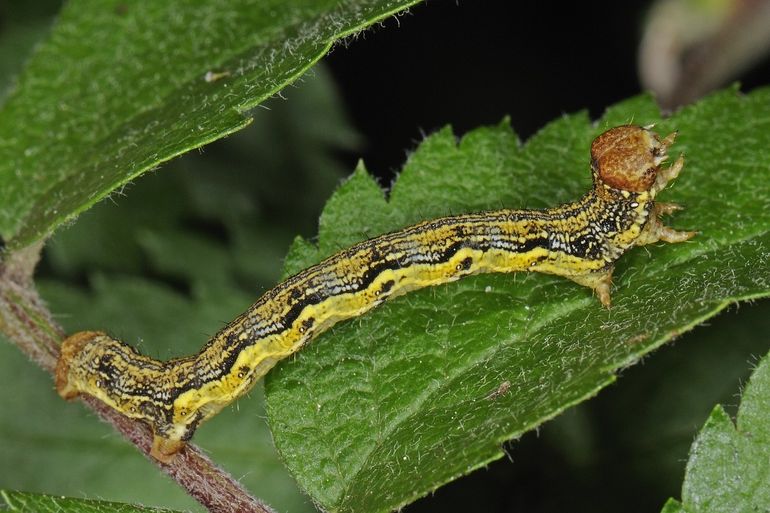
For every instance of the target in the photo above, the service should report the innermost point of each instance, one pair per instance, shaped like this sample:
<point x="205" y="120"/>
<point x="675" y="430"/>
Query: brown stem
<point x="195" y="472"/>
<point x="26" y="321"/>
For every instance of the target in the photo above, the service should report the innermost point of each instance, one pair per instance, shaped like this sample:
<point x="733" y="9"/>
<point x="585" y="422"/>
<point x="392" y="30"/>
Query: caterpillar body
<point x="580" y="241"/>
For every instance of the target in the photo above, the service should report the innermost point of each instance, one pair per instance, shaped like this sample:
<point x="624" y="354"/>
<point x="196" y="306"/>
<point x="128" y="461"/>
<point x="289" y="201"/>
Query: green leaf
<point x="729" y="465"/>
<point x="24" y="502"/>
<point x="119" y="88"/>
<point x="388" y="407"/>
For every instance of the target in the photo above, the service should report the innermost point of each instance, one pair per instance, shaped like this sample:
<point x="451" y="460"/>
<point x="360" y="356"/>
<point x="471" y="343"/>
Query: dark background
<point x="470" y="62"/>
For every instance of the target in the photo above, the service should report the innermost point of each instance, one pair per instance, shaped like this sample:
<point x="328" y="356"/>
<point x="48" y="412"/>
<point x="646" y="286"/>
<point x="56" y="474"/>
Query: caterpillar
<point x="581" y="241"/>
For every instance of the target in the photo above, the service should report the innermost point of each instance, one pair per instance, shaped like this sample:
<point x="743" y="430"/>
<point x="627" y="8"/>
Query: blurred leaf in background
<point x="691" y="47"/>
<point x="22" y="25"/>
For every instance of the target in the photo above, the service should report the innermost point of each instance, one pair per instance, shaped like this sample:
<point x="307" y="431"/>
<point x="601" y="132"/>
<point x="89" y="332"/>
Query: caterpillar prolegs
<point x="580" y="241"/>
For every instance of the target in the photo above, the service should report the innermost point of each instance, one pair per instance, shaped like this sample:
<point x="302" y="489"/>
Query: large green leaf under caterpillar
<point x="387" y="407"/>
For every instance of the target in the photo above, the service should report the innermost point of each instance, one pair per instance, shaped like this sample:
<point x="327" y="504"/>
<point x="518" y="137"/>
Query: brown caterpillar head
<point x="627" y="157"/>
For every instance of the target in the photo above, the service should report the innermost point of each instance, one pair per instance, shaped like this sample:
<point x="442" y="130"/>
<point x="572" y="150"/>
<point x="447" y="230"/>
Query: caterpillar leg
<point x="165" y="449"/>
<point x="664" y="209"/>
<point x="655" y="230"/>
<point x="600" y="282"/>
<point x="665" y="175"/>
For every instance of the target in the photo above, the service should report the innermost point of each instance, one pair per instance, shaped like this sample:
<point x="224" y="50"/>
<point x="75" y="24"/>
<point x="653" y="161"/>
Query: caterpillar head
<point x="628" y="157"/>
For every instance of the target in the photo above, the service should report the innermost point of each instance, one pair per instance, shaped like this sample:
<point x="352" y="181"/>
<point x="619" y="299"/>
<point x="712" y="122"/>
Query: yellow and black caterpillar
<point x="580" y="241"/>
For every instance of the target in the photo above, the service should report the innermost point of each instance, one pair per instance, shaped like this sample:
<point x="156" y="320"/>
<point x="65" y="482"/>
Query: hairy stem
<point x="25" y="321"/>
